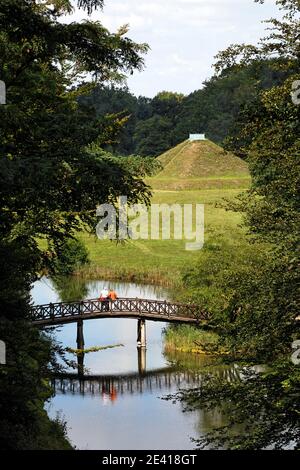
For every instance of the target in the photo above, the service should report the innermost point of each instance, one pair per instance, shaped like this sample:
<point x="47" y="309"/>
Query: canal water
<point x="120" y="403"/>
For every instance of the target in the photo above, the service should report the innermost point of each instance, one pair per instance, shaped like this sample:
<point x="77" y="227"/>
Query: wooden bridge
<point x="68" y="312"/>
<point x="54" y="314"/>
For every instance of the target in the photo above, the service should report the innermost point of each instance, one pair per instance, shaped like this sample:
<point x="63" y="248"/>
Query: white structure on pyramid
<point x="194" y="137"/>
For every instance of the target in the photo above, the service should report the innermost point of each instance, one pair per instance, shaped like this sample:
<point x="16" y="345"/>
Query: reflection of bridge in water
<point x="154" y="380"/>
<point x="123" y="384"/>
<point x="114" y="385"/>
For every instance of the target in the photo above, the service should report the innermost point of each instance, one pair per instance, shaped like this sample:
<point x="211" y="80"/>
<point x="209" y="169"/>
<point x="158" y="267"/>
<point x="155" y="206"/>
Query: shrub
<point x="71" y="256"/>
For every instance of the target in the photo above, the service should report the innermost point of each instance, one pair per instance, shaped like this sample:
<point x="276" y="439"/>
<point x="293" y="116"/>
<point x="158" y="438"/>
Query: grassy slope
<point x="200" y="165"/>
<point x="193" y="173"/>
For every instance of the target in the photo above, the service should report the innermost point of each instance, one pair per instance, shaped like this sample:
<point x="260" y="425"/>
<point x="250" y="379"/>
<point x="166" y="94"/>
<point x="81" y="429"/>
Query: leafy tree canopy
<point x="50" y="183"/>
<point x="260" y="322"/>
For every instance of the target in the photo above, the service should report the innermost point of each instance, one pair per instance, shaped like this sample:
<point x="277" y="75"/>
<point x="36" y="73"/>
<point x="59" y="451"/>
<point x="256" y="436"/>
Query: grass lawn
<point x="162" y="261"/>
<point x="193" y="172"/>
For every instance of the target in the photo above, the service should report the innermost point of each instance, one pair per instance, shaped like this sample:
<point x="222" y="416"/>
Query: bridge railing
<point x="66" y="310"/>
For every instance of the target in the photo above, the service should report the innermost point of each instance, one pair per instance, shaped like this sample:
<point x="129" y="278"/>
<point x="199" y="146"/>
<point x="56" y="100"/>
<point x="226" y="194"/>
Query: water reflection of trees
<point x="70" y="288"/>
<point x="216" y="418"/>
<point x="186" y="372"/>
<point x="126" y="289"/>
<point x="202" y="363"/>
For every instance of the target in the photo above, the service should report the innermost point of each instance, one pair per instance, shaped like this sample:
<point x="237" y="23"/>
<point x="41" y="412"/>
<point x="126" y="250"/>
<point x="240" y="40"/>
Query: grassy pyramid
<point x="200" y="165"/>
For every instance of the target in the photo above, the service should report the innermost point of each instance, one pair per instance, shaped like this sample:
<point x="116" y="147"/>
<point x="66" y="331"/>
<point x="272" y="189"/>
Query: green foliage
<point x="118" y="101"/>
<point x="78" y="352"/>
<point x="264" y="406"/>
<point x="268" y="295"/>
<point x="155" y="125"/>
<point x="153" y="136"/>
<point x="262" y="308"/>
<point x="70" y="288"/>
<point x="187" y="338"/>
<point x="213" y="280"/>
<point x="71" y="256"/>
<point x="259" y="322"/>
<point x="134" y="165"/>
<point x="50" y="184"/>
<point x="24" y="387"/>
<point x="214" y="109"/>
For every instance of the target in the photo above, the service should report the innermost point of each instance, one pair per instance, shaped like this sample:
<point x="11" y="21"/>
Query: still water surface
<point x="120" y="408"/>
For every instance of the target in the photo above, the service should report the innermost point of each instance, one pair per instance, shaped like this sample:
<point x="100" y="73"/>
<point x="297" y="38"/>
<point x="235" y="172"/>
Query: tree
<point x="214" y="109"/>
<point x="167" y="104"/>
<point x="108" y="100"/>
<point x="170" y="117"/>
<point x="73" y="255"/>
<point x="153" y="136"/>
<point x="50" y="182"/>
<point x="262" y="409"/>
<point x="260" y="324"/>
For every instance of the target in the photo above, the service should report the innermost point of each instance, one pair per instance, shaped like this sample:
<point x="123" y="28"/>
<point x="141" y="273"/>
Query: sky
<point x="184" y="36"/>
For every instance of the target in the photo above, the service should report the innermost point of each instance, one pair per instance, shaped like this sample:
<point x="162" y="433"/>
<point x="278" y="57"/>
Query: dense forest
<point x="153" y="126"/>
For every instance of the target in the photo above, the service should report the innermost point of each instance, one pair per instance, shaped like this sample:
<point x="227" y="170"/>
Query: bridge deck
<point x="157" y="310"/>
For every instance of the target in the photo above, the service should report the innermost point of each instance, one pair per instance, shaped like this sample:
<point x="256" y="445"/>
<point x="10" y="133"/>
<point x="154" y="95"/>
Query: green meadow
<point x="162" y="261"/>
<point x="216" y="176"/>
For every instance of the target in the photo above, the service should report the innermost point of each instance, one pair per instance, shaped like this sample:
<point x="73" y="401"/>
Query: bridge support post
<point x="80" y="345"/>
<point x="141" y="360"/>
<point x="80" y="337"/>
<point x="80" y="365"/>
<point x="141" y="333"/>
